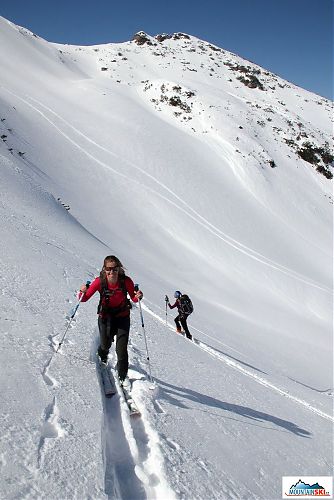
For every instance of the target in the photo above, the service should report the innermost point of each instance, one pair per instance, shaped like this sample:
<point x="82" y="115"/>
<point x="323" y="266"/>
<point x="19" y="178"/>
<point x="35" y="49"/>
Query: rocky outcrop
<point x="142" y="38"/>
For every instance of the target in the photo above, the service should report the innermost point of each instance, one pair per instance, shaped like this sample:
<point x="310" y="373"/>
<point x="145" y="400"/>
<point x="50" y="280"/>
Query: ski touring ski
<point x="131" y="404"/>
<point x="110" y="388"/>
<point x="108" y="381"/>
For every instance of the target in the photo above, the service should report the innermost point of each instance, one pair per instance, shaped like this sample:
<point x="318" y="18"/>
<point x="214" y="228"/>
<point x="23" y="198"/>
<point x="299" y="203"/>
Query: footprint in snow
<point x="50" y="381"/>
<point x="51" y="428"/>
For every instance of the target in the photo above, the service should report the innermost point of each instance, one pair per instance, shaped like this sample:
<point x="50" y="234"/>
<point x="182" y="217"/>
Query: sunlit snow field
<point x="96" y="162"/>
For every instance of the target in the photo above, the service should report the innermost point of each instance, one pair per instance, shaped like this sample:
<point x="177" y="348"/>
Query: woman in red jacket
<point x="113" y="310"/>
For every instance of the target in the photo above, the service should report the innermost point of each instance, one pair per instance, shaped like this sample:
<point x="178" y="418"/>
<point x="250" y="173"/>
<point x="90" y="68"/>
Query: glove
<point x="166" y="298"/>
<point x="84" y="288"/>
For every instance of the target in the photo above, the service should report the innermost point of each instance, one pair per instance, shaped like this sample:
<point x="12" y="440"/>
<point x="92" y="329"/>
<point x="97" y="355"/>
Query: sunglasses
<point x="111" y="269"/>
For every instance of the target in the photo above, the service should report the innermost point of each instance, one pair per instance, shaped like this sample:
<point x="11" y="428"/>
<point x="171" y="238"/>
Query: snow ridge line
<point x="197" y="218"/>
<point x="234" y="364"/>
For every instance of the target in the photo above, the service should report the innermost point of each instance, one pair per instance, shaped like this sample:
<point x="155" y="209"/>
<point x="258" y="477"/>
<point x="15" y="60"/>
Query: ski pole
<point x="71" y="318"/>
<point x="166" y="300"/>
<point x="143" y="327"/>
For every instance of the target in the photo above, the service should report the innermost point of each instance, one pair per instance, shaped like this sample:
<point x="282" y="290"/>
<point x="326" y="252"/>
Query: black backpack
<point x="186" y="306"/>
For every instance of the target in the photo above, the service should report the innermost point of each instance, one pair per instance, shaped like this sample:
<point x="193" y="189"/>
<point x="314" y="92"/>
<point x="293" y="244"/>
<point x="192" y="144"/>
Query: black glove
<point x="166" y="298"/>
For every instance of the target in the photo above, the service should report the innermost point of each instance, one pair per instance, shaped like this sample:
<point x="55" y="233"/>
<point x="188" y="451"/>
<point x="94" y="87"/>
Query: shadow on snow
<point x="174" y="395"/>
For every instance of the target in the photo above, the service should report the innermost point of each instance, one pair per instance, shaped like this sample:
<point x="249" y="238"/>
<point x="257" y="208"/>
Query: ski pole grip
<point x="136" y="287"/>
<point x="88" y="283"/>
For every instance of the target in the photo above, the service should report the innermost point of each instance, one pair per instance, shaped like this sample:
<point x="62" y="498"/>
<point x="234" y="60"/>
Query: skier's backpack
<point x="186" y="306"/>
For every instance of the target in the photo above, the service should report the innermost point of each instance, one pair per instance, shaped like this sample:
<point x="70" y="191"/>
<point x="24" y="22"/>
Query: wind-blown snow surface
<point x="162" y="158"/>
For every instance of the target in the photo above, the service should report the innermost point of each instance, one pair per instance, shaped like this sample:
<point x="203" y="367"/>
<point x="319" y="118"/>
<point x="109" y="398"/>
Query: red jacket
<point x="115" y="300"/>
<point x="176" y="304"/>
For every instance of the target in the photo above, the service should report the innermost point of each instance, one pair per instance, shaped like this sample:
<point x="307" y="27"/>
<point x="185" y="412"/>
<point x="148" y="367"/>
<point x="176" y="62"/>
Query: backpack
<point x="186" y="306"/>
<point x="105" y="293"/>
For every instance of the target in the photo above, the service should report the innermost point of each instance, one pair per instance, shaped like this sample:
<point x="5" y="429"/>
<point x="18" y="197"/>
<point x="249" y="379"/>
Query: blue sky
<point x="293" y="38"/>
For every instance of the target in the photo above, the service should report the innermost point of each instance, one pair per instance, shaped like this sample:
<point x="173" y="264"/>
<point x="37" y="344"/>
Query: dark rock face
<point x="142" y="38"/>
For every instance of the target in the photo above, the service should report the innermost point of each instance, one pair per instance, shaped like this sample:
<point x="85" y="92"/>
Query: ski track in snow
<point x="193" y="328"/>
<point x="237" y="366"/>
<point x="133" y="463"/>
<point x="260" y="380"/>
<point x="253" y="254"/>
<point x="176" y="456"/>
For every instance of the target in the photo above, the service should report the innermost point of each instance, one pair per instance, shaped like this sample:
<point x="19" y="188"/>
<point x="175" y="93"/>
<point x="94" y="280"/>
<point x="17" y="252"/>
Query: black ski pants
<point x="111" y="327"/>
<point x="181" y="318"/>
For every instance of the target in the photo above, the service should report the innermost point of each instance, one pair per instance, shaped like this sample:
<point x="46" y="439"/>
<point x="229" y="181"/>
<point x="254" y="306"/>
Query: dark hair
<point x="103" y="274"/>
<point x="113" y="258"/>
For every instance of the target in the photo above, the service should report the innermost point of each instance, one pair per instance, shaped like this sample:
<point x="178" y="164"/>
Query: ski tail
<point x="108" y="381"/>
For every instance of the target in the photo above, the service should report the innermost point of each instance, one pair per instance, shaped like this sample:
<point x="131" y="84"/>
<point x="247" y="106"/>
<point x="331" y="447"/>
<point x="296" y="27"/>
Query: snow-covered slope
<point x="189" y="163"/>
